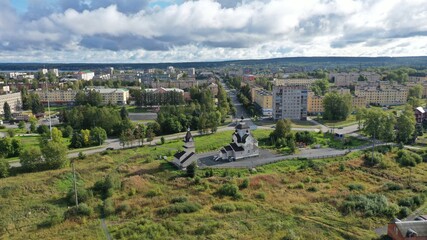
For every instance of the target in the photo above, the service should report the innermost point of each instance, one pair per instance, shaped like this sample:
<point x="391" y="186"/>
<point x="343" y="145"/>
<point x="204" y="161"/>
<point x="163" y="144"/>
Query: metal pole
<point x="48" y="109"/>
<point x="75" y="184"/>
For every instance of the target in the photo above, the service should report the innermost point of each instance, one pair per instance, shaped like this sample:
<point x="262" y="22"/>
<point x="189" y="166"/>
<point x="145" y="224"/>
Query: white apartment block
<point x="54" y="71"/>
<point x="290" y="102"/>
<point x="347" y="79"/>
<point x="85" y="75"/>
<point x="13" y="99"/>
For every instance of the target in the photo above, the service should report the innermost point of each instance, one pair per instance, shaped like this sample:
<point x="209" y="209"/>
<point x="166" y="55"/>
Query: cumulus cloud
<point x="214" y="29"/>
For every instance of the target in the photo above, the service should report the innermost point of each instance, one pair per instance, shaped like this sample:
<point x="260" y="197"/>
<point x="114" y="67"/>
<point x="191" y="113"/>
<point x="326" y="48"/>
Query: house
<point x="243" y="144"/>
<point x="184" y="158"/>
<point x="408" y="230"/>
<point x="420" y="114"/>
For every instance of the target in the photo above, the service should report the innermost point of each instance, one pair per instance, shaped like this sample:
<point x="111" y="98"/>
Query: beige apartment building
<point x="63" y="97"/>
<point x="264" y="100"/>
<point x="383" y="95"/>
<point x="13" y="99"/>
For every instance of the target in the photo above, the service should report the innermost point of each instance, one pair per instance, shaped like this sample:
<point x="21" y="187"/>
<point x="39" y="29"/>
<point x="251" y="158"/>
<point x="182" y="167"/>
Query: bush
<point x="393" y="186"/>
<point x="227" y="189"/>
<point x="412" y="202"/>
<point x="107" y="186"/>
<point x="307" y="180"/>
<point x="371" y="161"/>
<point x="408" y="159"/>
<point x="82" y="196"/>
<point x="179" y="199"/>
<point x="312" y="189"/>
<point x="177" y="208"/>
<point x="108" y="207"/>
<point x="80" y="210"/>
<point x="123" y="207"/>
<point x="11" y="132"/>
<point x="356" y="187"/>
<point x="153" y="193"/>
<point x="224" y="208"/>
<point x="54" y="218"/>
<point x="369" y="205"/>
<point x="260" y="195"/>
<point x="192" y="170"/>
<point x="403" y="212"/>
<point x="244" y="184"/>
<point x="4" y="168"/>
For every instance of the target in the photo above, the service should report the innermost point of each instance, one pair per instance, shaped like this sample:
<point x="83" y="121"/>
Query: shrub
<point x="393" y="186"/>
<point x="55" y="217"/>
<point x="82" y="196"/>
<point x="412" y="202"/>
<point x="408" y="159"/>
<point x="80" y="210"/>
<point x="197" y="180"/>
<point x="260" y="195"/>
<point x="244" y="184"/>
<point x="403" y="212"/>
<point x="108" y="207"/>
<point x="342" y="167"/>
<point x="153" y="193"/>
<point x="107" y="186"/>
<point x="4" y="168"/>
<point x="370" y="160"/>
<point x="228" y="189"/>
<point x="192" y="170"/>
<point x="177" y="208"/>
<point x="368" y="205"/>
<point x="312" y="189"/>
<point x="123" y="207"/>
<point x="179" y="199"/>
<point x="307" y="180"/>
<point x="224" y="207"/>
<point x="356" y="187"/>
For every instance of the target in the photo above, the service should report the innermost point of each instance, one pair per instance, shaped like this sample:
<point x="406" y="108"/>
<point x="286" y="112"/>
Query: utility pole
<point x="373" y="147"/>
<point x="48" y="109"/>
<point x="75" y="183"/>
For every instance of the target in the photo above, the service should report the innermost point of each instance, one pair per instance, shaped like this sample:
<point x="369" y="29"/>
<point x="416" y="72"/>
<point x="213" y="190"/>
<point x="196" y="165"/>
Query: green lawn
<point x="351" y="120"/>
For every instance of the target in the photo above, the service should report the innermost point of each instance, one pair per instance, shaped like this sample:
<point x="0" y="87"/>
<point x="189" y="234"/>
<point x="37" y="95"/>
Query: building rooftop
<point x="417" y="228"/>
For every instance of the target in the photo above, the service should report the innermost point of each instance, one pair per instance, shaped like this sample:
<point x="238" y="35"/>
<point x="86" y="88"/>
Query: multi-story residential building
<point x="303" y="82"/>
<point x="13" y="99"/>
<point x="85" y="75"/>
<point x="115" y="96"/>
<point x="57" y="97"/>
<point x="347" y="79"/>
<point x="213" y="88"/>
<point x="315" y="103"/>
<point x="289" y="101"/>
<point x="383" y="95"/>
<point x="264" y="100"/>
<point x="54" y="71"/>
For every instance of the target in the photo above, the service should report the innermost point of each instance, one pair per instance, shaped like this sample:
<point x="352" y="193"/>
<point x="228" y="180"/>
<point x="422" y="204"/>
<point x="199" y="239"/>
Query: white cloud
<point x="215" y="30"/>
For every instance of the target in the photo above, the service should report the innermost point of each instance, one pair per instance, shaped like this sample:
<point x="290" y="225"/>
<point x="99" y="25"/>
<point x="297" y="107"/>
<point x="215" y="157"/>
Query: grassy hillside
<point x="149" y="199"/>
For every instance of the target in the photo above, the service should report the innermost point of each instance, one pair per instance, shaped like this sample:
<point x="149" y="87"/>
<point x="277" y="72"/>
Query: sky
<point x="151" y="31"/>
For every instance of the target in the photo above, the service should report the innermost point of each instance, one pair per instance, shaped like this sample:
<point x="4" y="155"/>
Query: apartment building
<point x="57" y="97"/>
<point x="315" y="103"/>
<point x="264" y="100"/>
<point x="13" y="99"/>
<point x="290" y="102"/>
<point x="85" y="75"/>
<point x="115" y="96"/>
<point x="383" y="95"/>
<point x="303" y="82"/>
<point x="347" y="79"/>
<point x="67" y="97"/>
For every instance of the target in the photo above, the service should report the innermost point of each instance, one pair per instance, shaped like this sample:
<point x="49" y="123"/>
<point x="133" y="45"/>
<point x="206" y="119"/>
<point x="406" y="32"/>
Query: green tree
<point x="379" y="124"/>
<point x="7" y="112"/>
<point x="55" y="155"/>
<point x="31" y="158"/>
<point x="320" y="87"/>
<point x="282" y="130"/>
<point x="56" y="135"/>
<point x="85" y="133"/>
<point x="406" y="125"/>
<point x="336" y="106"/>
<point x="124" y="113"/>
<point x="98" y="135"/>
<point x="68" y="131"/>
<point x="11" y="132"/>
<point x="416" y="91"/>
<point x="192" y="170"/>
<point x="21" y="125"/>
<point x="150" y="135"/>
<point x="33" y="124"/>
<point x="139" y="133"/>
<point x="36" y="105"/>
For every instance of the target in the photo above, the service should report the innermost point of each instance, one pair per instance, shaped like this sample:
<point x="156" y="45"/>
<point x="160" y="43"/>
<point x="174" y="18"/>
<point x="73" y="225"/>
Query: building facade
<point x="116" y="96"/>
<point x="186" y="157"/>
<point x="290" y="102"/>
<point x="243" y="145"/>
<point x="13" y="99"/>
<point x="384" y="95"/>
<point x="264" y="101"/>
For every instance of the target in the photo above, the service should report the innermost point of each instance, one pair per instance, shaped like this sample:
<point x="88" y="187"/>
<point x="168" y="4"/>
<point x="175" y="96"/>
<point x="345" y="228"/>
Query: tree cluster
<point x="31" y="102"/>
<point x="320" y="87"/>
<point x="92" y="98"/>
<point x="10" y="147"/>
<point x="282" y="135"/>
<point x="336" y="106"/>
<point x="86" y="138"/>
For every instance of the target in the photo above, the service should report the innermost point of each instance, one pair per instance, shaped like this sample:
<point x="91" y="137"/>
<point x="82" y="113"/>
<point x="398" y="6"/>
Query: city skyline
<point x="184" y="31"/>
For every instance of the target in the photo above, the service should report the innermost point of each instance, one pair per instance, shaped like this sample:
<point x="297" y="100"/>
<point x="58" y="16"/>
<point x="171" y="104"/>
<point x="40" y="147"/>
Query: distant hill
<point x="306" y="62"/>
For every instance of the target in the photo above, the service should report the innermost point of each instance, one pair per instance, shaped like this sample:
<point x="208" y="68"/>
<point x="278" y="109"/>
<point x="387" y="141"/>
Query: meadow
<point x="148" y="198"/>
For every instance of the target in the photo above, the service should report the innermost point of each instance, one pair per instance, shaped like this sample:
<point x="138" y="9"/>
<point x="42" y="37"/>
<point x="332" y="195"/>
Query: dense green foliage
<point x="336" y="106"/>
<point x="320" y="87"/>
<point x="10" y="147"/>
<point x="373" y="159"/>
<point x="7" y="113"/>
<point x="92" y="98"/>
<point x="408" y="159"/>
<point x="369" y="205"/>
